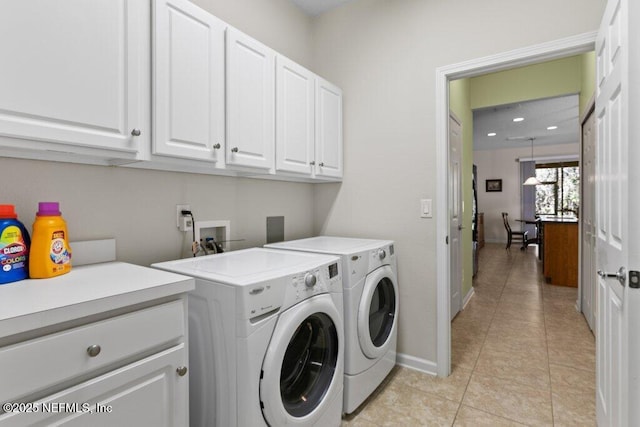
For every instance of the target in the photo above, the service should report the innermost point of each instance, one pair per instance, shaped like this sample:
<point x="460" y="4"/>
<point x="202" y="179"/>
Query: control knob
<point x="310" y="280"/>
<point x="382" y="254"/>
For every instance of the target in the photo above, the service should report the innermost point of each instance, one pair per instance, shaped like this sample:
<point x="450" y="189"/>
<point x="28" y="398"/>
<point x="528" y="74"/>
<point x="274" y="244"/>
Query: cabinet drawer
<point x="46" y="361"/>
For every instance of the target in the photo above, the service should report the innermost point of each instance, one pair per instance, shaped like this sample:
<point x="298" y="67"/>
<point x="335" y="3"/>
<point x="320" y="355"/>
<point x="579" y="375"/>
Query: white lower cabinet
<point x="110" y="348"/>
<point x="146" y="393"/>
<point x="74" y="79"/>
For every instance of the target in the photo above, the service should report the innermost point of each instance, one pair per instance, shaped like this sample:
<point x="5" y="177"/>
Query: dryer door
<point x="378" y="312"/>
<point x="303" y="367"/>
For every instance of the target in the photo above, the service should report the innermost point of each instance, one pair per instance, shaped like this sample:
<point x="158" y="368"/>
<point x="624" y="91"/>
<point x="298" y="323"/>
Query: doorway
<point x="521" y="57"/>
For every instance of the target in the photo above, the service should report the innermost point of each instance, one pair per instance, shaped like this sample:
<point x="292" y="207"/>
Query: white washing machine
<point x="266" y="339"/>
<point x="370" y="309"/>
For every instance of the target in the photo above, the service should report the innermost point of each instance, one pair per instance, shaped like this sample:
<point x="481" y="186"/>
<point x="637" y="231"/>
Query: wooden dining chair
<point x="514" y="236"/>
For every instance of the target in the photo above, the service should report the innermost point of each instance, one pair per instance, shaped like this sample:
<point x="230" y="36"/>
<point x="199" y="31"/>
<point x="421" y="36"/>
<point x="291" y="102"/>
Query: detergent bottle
<point x="50" y="251"/>
<point x="14" y="246"/>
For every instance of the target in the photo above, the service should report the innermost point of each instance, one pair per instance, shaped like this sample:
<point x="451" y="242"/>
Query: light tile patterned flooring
<point x="521" y="355"/>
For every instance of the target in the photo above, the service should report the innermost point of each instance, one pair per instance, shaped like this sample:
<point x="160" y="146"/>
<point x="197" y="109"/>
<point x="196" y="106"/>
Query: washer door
<point x="377" y="312"/>
<point x="303" y="367"/>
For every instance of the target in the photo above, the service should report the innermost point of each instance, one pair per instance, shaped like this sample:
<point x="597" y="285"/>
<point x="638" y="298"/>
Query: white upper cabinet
<point x="328" y="130"/>
<point x="188" y="82"/>
<point x="295" y="119"/>
<point x="250" y="102"/>
<point x="75" y="76"/>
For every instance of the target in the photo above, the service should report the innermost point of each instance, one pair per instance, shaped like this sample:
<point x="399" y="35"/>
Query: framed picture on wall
<point x="494" y="185"/>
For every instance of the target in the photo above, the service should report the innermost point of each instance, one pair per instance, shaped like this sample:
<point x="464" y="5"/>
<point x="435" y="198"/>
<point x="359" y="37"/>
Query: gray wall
<point x="137" y="207"/>
<point x="384" y="54"/>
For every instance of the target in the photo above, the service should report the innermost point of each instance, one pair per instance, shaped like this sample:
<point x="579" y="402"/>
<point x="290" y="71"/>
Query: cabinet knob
<point x="93" y="350"/>
<point x="321" y="164"/>
<point x="234" y="150"/>
<point x="136" y="132"/>
<point x="312" y="163"/>
<point x="216" y="147"/>
<point x="182" y="371"/>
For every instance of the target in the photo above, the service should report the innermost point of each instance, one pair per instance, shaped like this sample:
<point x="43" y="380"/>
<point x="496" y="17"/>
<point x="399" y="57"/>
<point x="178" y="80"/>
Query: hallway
<point x="521" y="355"/>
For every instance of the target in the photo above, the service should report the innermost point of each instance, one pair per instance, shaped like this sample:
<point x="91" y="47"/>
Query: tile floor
<point x="521" y="355"/>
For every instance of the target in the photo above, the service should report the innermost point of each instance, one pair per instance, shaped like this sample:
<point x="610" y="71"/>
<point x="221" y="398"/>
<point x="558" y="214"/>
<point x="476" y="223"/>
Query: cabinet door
<point x="75" y="73"/>
<point x="145" y="393"/>
<point x="295" y="87"/>
<point x="250" y="102"/>
<point x="188" y="82"/>
<point x="328" y="130"/>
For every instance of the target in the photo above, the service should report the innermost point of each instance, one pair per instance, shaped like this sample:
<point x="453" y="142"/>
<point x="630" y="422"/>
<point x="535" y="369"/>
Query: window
<point x="559" y="191"/>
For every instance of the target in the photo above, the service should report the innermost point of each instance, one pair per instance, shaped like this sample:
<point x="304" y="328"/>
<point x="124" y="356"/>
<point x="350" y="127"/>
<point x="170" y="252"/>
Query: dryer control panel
<point x="322" y="280"/>
<point x="263" y="299"/>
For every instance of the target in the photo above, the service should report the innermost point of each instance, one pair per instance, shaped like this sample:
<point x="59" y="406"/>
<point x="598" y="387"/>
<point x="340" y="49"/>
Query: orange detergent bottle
<point x="50" y="254"/>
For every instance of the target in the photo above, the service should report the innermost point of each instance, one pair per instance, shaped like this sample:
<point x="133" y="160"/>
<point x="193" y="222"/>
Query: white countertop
<point x="86" y="290"/>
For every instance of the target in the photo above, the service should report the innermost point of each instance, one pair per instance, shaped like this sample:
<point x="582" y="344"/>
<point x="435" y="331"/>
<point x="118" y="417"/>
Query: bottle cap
<point x="8" y="211"/>
<point x="48" y="209"/>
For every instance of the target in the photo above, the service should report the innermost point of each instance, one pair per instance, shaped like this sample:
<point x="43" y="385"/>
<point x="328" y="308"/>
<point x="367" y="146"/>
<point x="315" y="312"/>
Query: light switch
<point x="425" y="208"/>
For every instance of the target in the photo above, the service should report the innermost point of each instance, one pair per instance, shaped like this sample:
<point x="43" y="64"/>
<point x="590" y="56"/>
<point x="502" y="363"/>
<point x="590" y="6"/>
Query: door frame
<point x="548" y="51"/>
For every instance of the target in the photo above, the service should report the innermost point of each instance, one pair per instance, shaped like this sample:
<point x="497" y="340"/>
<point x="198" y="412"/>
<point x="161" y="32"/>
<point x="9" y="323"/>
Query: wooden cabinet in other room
<point x="75" y="79"/>
<point x="480" y="230"/>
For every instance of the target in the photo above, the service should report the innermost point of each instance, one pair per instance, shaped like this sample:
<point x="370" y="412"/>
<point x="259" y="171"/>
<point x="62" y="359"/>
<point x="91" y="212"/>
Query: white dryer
<point x="265" y="338"/>
<point x="370" y="309"/>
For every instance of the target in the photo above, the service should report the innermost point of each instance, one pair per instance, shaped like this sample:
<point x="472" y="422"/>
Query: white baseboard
<point x="417" y="364"/>
<point x="468" y="297"/>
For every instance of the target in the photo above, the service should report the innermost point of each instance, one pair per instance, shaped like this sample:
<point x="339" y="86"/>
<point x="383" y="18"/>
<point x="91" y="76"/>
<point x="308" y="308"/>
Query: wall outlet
<point x="179" y="216"/>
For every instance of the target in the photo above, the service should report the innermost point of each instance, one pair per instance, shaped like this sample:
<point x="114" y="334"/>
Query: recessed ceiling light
<point x="518" y="119"/>
<point x="491" y="134"/>
<point x="552" y="128"/>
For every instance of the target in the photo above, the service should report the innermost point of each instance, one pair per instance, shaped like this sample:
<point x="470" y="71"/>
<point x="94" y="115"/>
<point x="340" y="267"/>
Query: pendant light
<point x="532" y="180"/>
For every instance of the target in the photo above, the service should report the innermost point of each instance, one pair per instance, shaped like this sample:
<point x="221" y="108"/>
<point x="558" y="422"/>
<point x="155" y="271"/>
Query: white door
<point x="587" y="217"/>
<point x="250" y="102"/>
<point x="74" y="75"/>
<point x="455" y="213"/>
<point x="328" y="130"/>
<point x="188" y="82"/>
<point x="295" y="119"/>
<point x="617" y="239"/>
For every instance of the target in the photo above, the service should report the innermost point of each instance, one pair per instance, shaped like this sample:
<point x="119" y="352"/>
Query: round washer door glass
<point x="309" y="365"/>
<point x="382" y="310"/>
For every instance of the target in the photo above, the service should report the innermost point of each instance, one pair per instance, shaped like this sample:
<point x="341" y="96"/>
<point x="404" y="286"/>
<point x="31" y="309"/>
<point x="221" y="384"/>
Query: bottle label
<point x="59" y="253"/>
<point x="13" y="250"/>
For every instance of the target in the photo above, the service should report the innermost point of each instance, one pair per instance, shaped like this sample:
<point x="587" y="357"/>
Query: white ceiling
<point x="316" y="7"/>
<point x="538" y="115"/>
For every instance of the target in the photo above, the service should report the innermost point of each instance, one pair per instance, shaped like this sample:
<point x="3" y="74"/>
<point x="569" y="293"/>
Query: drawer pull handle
<point x="94" y="350"/>
<point x="217" y="146"/>
<point x="234" y="150"/>
<point x="182" y="371"/>
<point x="136" y="132"/>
